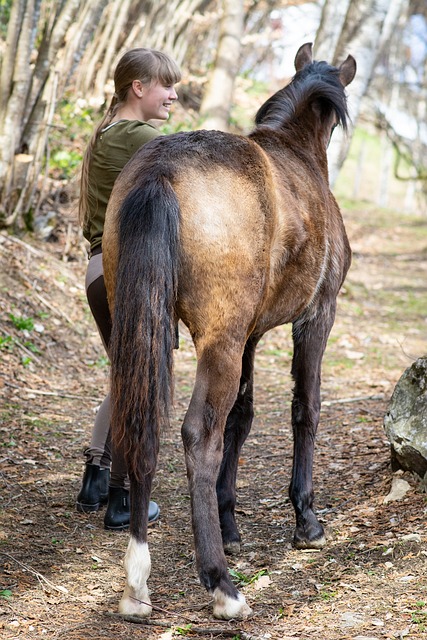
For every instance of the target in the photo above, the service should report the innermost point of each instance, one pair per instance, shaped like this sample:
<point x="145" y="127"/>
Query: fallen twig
<point x="328" y="403"/>
<point x="195" y="629"/>
<point x="137" y="619"/>
<point x="160" y="610"/>
<point x="38" y="575"/>
<point x="56" y="394"/>
<point x="22" y="347"/>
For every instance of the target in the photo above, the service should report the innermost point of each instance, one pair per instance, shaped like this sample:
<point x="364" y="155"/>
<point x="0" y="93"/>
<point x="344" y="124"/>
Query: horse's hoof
<point x="129" y="605"/>
<point x="303" y="543"/>
<point x="228" y="608"/>
<point x="232" y="548"/>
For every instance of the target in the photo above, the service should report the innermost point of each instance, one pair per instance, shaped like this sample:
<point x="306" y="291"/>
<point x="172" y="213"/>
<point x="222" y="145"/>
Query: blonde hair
<point x="148" y="66"/>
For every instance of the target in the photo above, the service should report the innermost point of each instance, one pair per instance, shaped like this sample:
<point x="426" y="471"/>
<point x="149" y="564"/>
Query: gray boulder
<point x="406" y="420"/>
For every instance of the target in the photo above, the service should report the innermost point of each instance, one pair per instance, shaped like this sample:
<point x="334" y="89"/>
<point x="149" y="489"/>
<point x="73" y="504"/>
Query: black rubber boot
<point x="118" y="511"/>
<point x="94" y="491"/>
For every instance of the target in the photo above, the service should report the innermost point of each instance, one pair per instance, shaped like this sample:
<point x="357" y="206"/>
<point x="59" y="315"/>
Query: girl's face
<point x="156" y="101"/>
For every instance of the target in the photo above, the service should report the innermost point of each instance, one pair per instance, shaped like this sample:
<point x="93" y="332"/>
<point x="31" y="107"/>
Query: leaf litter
<point x="61" y="573"/>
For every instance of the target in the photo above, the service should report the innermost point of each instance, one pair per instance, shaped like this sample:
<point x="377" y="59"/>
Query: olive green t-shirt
<point x="115" y="145"/>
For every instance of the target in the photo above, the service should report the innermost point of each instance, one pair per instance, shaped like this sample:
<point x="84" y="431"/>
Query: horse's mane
<point x="317" y="82"/>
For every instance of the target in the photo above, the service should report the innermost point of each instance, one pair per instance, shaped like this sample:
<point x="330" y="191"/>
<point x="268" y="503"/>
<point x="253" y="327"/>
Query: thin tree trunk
<point x="12" y="115"/>
<point x="48" y="52"/>
<point x="365" y="41"/>
<point x="23" y="114"/>
<point x="77" y="38"/>
<point x="328" y="33"/>
<point x="92" y="56"/>
<point x="359" y="169"/>
<point x="121" y="9"/>
<point x="8" y="61"/>
<point x="216" y="104"/>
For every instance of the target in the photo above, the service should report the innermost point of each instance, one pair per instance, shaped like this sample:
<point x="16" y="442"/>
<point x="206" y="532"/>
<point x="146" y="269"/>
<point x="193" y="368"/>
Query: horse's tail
<point x="143" y="333"/>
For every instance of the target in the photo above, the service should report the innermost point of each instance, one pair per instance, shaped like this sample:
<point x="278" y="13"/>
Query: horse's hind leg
<point x="215" y="390"/>
<point x="237" y="428"/>
<point x="137" y="562"/>
<point x="310" y="337"/>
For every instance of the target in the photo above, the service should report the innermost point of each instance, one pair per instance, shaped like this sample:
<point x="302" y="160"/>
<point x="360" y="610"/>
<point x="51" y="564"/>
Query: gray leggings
<point x="101" y="451"/>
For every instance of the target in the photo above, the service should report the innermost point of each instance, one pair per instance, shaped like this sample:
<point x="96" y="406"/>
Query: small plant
<point x="22" y="323"/>
<point x="241" y="579"/>
<point x="6" y="594"/>
<point x="65" y="162"/>
<point x="102" y="361"/>
<point x="419" y="617"/>
<point x="32" y="347"/>
<point x="183" y="631"/>
<point x="11" y="443"/>
<point x="327" y="595"/>
<point x="6" y="343"/>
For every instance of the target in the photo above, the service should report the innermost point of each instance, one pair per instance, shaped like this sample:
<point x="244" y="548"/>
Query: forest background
<point x="57" y="59"/>
<point x="60" y="572"/>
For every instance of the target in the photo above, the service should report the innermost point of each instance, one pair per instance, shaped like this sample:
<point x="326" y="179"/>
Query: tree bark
<point x="331" y="25"/>
<point x="120" y="13"/>
<point x="23" y="107"/>
<point x="12" y="114"/>
<point x="216" y="104"/>
<point x="361" y="35"/>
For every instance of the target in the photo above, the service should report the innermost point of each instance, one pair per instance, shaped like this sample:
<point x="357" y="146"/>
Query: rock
<point x="352" y="619"/>
<point x="406" y="420"/>
<point x="399" y="488"/>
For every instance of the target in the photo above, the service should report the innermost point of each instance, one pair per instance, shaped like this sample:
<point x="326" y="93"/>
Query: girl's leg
<point x="99" y="486"/>
<point x="94" y="491"/>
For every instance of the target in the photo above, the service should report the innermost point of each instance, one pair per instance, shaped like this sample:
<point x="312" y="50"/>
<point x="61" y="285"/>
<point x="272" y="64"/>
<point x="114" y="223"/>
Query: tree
<point x="29" y="91"/>
<point x="367" y="26"/>
<point x="216" y="104"/>
<point x="46" y="41"/>
<point x="53" y="46"/>
<point x="169" y="25"/>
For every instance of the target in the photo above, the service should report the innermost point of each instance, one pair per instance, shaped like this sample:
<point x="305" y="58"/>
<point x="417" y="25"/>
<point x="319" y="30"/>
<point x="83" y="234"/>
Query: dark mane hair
<point x="318" y="83"/>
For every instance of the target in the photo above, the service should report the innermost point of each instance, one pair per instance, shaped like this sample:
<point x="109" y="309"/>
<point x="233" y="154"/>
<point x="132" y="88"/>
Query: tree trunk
<point x="216" y="104"/>
<point x="77" y="41"/>
<point x="23" y="105"/>
<point x="364" y="42"/>
<point x="331" y="24"/>
<point x="14" y="102"/>
<point x="120" y="12"/>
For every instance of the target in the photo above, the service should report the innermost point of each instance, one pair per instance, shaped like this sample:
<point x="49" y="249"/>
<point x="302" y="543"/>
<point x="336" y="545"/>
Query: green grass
<point x="242" y="579"/>
<point x="21" y="322"/>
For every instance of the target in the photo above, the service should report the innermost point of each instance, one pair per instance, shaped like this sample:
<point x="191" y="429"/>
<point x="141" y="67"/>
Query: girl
<point x="144" y="89"/>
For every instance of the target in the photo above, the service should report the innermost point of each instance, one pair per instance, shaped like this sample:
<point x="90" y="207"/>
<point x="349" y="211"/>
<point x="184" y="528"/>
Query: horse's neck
<point x="286" y="147"/>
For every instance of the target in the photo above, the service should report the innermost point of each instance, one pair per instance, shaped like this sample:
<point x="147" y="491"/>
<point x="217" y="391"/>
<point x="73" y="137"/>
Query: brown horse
<point x="233" y="235"/>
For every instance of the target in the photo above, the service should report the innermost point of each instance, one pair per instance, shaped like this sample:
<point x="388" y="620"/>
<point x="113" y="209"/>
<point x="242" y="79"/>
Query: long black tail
<point x="143" y="334"/>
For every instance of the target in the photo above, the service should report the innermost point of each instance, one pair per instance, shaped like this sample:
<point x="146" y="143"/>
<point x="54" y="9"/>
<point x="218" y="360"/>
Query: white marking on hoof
<point x="310" y="544"/>
<point x="136" y="600"/>
<point x="227" y="608"/>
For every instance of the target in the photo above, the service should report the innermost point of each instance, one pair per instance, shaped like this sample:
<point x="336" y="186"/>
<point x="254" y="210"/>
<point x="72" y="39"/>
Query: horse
<point x="233" y="235"/>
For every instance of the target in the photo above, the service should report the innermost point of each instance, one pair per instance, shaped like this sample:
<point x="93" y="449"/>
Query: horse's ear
<point x="347" y="70"/>
<point x="304" y="56"/>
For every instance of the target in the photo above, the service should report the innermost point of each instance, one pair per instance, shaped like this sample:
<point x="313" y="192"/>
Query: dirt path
<point x="62" y="573"/>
